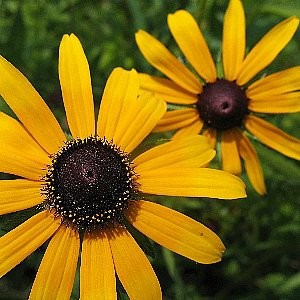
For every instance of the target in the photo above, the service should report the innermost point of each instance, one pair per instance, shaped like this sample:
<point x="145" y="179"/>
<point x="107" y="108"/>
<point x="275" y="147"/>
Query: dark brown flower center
<point x="222" y="104"/>
<point x="89" y="184"/>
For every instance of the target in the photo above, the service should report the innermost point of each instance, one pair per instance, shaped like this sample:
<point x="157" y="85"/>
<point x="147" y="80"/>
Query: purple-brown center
<point x="89" y="183"/>
<point x="222" y="104"/>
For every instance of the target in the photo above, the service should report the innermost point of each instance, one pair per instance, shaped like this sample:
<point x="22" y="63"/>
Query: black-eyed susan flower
<point x="226" y="103"/>
<point x="89" y="187"/>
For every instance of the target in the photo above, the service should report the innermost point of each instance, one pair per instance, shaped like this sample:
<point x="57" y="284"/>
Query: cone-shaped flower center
<point x="222" y="104"/>
<point x="89" y="183"/>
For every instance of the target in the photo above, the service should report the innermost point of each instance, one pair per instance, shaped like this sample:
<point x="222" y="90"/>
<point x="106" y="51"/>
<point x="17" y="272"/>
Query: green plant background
<point x="262" y="234"/>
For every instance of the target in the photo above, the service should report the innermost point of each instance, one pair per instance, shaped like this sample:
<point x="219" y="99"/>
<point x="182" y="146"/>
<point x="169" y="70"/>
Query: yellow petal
<point x="273" y="137"/>
<point x="75" y="81"/>
<point x="19" y="153"/>
<point x="166" y="89"/>
<point x="140" y="116"/>
<point x="17" y="244"/>
<point x="251" y="161"/>
<point x="276" y="84"/>
<point x="19" y="194"/>
<point x="266" y="50"/>
<point x="234" y="39"/>
<point x="211" y="135"/>
<point x="176" y="231"/>
<point x="163" y="60"/>
<point x="192" y="129"/>
<point x="132" y="266"/>
<point x="121" y="88"/>
<point x="193" y="151"/>
<point x="230" y="155"/>
<point x="191" y="182"/>
<point x="177" y="119"/>
<point x="189" y="38"/>
<point x="276" y="104"/>
<point x="97" y="273"/>
<point x="29" y="107"/>
<point x="56" y="273"/>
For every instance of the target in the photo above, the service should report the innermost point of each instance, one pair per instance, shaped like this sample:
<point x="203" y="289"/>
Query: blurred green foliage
<point x="262" y="234"/>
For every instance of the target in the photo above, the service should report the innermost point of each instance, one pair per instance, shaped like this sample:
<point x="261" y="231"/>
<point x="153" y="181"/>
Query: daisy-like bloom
<point x="225" y="105"/>
<point x="88" y="188"/>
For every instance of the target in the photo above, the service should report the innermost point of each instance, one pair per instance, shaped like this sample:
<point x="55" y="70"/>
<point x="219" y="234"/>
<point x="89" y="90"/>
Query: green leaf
<point x="290" y="284"/>
<point x="282" y="8"/>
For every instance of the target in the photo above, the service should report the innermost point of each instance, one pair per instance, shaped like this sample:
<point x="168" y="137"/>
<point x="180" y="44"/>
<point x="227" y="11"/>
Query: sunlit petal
<point x="121" y="87"/>
<point x="140" y="117"/>
<point x="55" y="277"/>
<point x="122" y="111"/>
<point x="211" y="135"/>
<point x="191" y="182"/>
<point x="19" y="194"/>
<point x="189" y="38"/>
<point x="176" y="231"/>
<point x="193" y="151"/>
<point x="17" y="244"/>
<point x="166" y="89"/>
<point x="276" y="84"/>
<point x="273" y="137"/>
<point x="251" y="161"/>
<point x="176" y="119"/>
<point x="192" y="129"/>
<point x="29" y="160"/>
<point x="132" y="266"/>
<point x="276" y="104"/>
<point x="163" y="60"/>
<point x="75" y="81"/>
<point x="234" y="39"/>
<point x="29" y="107"/>
<point x="266" y="50"/>
<point x="230" y="155"/>
<point x="97" y="273"/>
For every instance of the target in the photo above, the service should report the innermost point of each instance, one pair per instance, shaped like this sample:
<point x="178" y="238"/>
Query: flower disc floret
<point x="89" y="183"/>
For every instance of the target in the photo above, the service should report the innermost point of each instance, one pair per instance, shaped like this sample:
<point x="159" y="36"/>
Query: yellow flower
<point x="86" y="188"/>
<point x="226" y="105"/>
